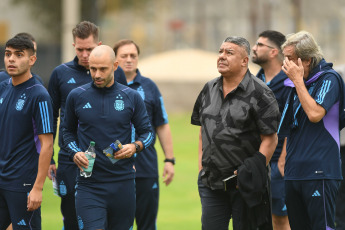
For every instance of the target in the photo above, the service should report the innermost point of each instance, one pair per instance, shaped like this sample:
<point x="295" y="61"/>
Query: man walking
<point x="26" y="145"/>
<point x="239" y="116"/>
<point x="104" y="111"/>
<point x="63" y="80"/>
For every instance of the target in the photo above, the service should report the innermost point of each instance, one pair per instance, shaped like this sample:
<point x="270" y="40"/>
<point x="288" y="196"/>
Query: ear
<point x="245" y="61"/>
<point x="274" y="52"/>
<point x="116" y="64"/>
<point x="32" y="60"/>
<point x="308" y="62"/>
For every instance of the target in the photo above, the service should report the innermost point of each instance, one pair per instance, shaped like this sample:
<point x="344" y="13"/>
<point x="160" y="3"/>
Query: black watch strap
<point x="137" y="147"/>
<point x="170" y="160"/>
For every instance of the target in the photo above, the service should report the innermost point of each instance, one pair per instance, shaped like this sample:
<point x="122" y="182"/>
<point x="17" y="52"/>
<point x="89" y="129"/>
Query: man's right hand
<point x="80" y="160"/>
<point x="51" y="168"/>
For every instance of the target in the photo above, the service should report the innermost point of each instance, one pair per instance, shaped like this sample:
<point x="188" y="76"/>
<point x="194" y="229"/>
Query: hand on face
<point x="293" y="71"/>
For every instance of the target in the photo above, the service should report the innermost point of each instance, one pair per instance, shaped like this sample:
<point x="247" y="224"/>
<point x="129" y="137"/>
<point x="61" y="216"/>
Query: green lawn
<point x="179" y="206"/>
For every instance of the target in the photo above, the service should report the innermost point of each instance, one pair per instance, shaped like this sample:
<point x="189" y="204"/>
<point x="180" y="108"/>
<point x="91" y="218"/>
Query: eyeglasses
<point x="261" y="44"/>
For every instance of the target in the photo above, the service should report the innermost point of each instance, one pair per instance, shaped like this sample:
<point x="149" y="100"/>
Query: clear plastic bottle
<point x="90" y="153"/>
<point x="55" y="184"/>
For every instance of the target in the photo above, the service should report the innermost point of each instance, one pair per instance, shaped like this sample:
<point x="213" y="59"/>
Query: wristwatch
<point x="137" y="147"/>
<point x="170" y="160"/>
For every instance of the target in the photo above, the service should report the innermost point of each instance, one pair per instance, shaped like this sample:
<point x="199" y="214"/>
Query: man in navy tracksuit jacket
<point x="26" y="144"/>
<point x="267" y="53"/>
<point x="65" y="78"/>
<point x="104" y="111"/>
<point x="313" y="116"/>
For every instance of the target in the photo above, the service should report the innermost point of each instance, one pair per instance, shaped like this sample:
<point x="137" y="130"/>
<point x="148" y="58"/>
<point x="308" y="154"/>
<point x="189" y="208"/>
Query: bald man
<point x="104" y="111"/>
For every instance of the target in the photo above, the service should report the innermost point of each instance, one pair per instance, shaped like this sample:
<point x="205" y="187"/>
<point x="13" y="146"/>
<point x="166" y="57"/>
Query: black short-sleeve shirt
<point x="231" y="126"/>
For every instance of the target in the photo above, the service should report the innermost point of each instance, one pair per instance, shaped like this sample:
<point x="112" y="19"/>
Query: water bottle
<point x="90" y="153"/>
<point x="55" y="184"/>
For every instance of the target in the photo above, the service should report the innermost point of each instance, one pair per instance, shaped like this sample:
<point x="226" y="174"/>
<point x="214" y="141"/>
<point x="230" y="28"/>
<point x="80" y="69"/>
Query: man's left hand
<point x="34" y="199"/>
<point x="168" y="173"/>
<point x="126" y="152"/>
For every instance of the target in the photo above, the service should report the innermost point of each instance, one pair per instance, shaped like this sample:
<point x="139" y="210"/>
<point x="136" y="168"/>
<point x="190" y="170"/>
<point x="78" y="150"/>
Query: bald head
<point x="101" y="50"/>
<point x="102" y="66"/>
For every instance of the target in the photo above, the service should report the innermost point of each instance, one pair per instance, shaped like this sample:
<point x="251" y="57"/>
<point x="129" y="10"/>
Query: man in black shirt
<point x="239" y="116"/>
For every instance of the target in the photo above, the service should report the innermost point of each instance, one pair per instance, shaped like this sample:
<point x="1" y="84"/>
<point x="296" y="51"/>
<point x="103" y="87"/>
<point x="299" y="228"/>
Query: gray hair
<point x="241" y="42"/>
<point x="305" y="47"/>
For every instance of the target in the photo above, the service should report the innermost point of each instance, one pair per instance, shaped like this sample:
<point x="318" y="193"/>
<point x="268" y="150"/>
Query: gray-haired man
<point x="239" y="116"/>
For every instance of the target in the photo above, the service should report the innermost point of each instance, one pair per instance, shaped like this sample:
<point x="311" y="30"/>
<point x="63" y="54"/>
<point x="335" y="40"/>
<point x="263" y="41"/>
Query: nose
<point x="254" y="47"/>
<point x="128" y="58"/>
<point x="221" y="55"/>
<point x="85" y="53"/>
<point x="97" y="75"/>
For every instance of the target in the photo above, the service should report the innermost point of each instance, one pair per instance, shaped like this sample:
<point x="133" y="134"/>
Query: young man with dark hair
<point x="4" y="75"/>
<point x="27" y="144"/>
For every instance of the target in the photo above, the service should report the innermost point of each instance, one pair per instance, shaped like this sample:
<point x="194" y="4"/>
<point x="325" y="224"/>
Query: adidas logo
<point x="316" y="193"/>
<point x="154" y="186"/>
<point x="284" y="208"/>
<point x="71" y="81"/>
<point x="1" y="100"/>
<point x="87" y="106"/>
<point x="22" y="223"/>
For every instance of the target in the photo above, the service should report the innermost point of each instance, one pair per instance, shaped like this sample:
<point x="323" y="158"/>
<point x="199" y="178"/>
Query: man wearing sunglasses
<point x="268" y="55"/>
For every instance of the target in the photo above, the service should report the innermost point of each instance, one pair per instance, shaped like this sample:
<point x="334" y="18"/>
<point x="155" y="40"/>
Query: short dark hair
<point x="125" y="42"/>
<point x="84" y="29"/>
<point x="240" y="41"/>
<point x="274" y="36"/>
<point x="26" y="35"/>
<point x="21" y="43"/>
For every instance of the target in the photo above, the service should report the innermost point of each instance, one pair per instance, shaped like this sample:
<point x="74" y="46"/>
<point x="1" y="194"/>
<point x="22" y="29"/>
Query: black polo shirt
<point x="231" y="126"/>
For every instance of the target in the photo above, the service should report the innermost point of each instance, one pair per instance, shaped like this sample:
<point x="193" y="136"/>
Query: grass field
<point x="179" y="206"/>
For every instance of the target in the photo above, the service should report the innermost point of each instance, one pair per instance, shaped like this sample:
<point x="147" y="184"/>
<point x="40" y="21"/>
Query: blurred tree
<point x="47" y="15"/>
<point x="111" y="5"/>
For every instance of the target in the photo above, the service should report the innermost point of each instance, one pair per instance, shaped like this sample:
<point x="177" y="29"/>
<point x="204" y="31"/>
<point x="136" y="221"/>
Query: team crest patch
<point x="80" y="223"/>
<point x="119" y="103"/>
<point x="63" y="189"/>
<point x="20" y="103"/>
<point x="140" y="90"/>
